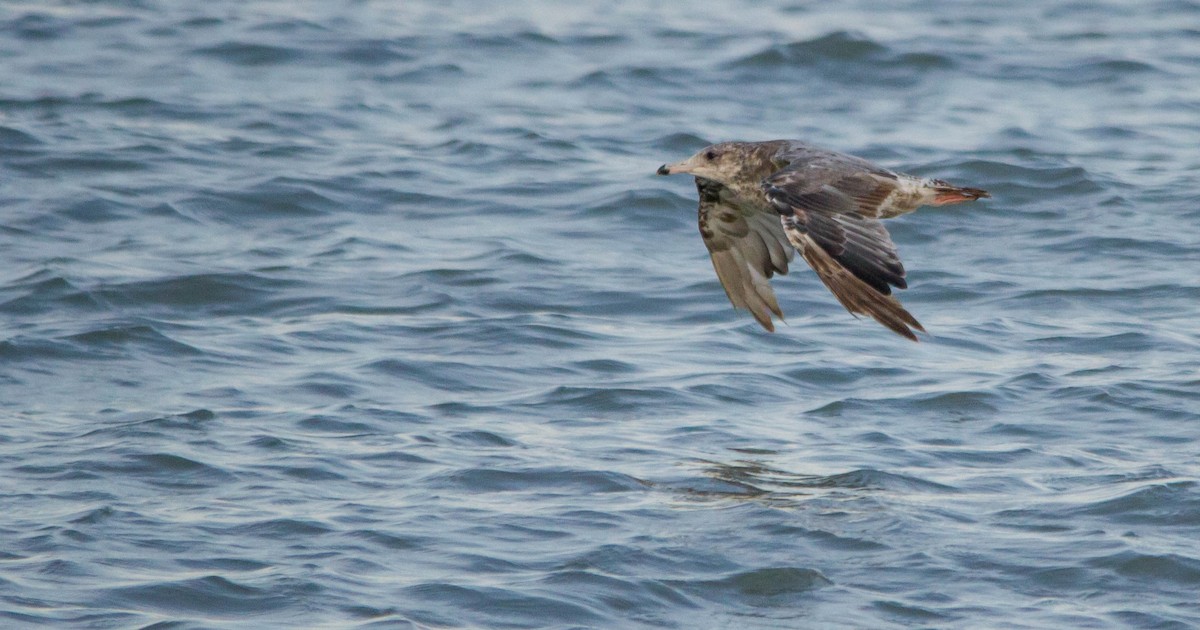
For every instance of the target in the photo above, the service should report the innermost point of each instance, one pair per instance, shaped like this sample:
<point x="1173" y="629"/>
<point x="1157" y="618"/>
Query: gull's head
<point x="719" y="162"/>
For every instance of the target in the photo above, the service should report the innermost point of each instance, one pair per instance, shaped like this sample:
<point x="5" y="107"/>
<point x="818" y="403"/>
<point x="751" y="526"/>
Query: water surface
<point x="374" y="314"/>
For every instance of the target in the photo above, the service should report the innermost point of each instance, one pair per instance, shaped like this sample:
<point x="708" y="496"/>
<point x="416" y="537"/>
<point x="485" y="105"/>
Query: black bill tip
<point x="663" y="170"/>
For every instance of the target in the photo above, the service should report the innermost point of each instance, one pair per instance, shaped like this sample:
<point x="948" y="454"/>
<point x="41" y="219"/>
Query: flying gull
<point x="759" y="200"/>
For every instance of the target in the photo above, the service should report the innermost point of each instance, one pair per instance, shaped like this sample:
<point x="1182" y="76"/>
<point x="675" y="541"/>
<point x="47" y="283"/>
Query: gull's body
<point x="759" y="200"/>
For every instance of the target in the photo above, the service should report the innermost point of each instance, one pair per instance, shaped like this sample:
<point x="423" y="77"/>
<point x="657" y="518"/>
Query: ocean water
<point x="374" y="315"/>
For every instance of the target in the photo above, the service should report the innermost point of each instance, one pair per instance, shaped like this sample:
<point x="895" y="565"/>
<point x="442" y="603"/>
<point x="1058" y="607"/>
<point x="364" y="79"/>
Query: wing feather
<point x="857" y="296"/>
<point x="747" y="248"/>
<point x="766" y="226"/>
<point x="828" y="203"/>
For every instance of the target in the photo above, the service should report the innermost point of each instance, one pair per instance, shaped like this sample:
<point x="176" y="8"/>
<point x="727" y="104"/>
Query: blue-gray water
<point x="374" y="314"/>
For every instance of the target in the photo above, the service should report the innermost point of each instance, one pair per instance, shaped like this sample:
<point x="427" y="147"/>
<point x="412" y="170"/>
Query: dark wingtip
<point x="663" y="170"/>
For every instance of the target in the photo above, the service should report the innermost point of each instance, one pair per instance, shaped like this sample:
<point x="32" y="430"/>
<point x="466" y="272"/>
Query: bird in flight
<point x="759" y="200"/>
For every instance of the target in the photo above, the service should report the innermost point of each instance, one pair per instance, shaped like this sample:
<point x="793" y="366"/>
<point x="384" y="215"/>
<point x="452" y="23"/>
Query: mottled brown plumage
<point x="759" y="200"/>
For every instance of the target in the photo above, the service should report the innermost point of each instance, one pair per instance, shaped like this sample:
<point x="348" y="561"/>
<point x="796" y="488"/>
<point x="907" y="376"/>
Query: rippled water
<point x="374" y="314"/>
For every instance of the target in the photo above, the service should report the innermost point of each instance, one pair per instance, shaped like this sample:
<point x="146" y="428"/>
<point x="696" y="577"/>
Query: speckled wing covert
<point x="747" y="247"/>
<point x="828" y="203"/>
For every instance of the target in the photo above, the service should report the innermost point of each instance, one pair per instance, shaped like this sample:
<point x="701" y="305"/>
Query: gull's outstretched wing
<point x="827" y="202"/>
<point x="747" y="247"/>
<point x="857" y="296"/>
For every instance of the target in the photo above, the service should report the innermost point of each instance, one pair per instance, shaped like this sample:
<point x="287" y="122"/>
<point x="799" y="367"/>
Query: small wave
<point x="839" y="46"/>
<point x="446" y="375"/>
<point x="212" y="597"/>
<point x="328" y="386"/>
<point x="235" y="565"/>
<point x="454" y="277"/>
<point x="12" y="138"/>
<point x="1053" y="175"/>
<point x="93" y="517"/>
<point x="139" y="106"/>
<point x="1145" y="567"/>
<point x="104" y="342"/>
<point x="98" y="210"/>
<point x="377" y="52"/>
<point x="841" y="375"/>
<point x="483" y="438"/>
<point x="824" y="539"/>
<point x="618" y="593"/>
<point x="871" y="479"/>
<point x="604" y="366"/>
<point x="38" y="26"/>
<point x="509" y="41"/>
<point x="846" y="56"/>
<point x="212" y="293"/>
<point x="1081" y="72"/>
<point x="251" y="54"/>
<point x="387" y="540"/>
<point x="468" y="604"/>
<point x="427" y="73"/>
<point x="164" y="470"/>
<point x="609" y="398"/>
<point x="718" y="486"/>
<point x="54" y="294"/>
<point x="1173" y="504"/>
<point x="539" y="480"/>
<point x="757" y="584"/>
<point x="292" y="26"/>
<point x="958" y="402"/>
<point x="681" y="144"/>
<point x="1126" y="246"/>
<point x="1098" y="343"/>
<point x="755" y="479"/>
<point x="82" y="163"/>
<point x="629" y="78"/>
<point x="908" y="614"/>
<point x="309" y="474"/>
<point x="332" y="425"/>
<point x="279" y="197"/>
<point x="1121" y="66"/>
<point x="272" y="529"/>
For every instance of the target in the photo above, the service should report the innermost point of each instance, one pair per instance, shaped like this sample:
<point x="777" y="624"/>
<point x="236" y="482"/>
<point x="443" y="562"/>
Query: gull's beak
<point x="676" y="168"/>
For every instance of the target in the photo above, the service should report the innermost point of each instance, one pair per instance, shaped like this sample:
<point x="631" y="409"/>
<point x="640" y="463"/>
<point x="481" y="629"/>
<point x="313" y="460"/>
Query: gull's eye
<point x="711" y="155"/>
